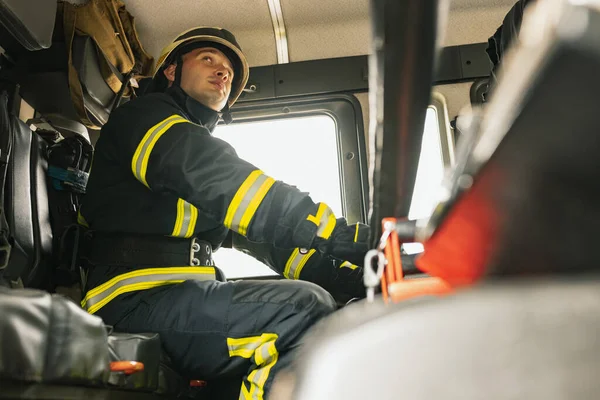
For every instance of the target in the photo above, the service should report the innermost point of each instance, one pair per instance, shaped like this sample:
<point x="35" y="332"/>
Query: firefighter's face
<point x="206" y="76"/>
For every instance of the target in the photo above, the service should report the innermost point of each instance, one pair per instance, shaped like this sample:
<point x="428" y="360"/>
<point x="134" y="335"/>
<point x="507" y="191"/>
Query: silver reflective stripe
<point x="264" y="367"/>
<point x="143" y="282"/>
<point x="295" y="263"/>
<point x="249" y="346"/>
<point x="264" y="351"/>
<point x="250" y="194"/>
<point x="323" y="222"/>
<point x="187" y="217"/>
<point x="148" y="140"/>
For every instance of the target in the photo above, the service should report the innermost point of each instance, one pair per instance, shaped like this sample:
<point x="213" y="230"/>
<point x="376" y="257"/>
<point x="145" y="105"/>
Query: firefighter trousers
<point x="215" y="330"/>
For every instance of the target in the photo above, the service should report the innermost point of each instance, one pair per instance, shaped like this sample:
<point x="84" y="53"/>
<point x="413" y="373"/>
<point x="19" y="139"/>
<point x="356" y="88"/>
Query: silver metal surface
<point x="279" y="31"/>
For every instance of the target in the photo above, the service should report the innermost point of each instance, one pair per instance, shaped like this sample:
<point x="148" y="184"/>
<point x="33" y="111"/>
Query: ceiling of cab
<point x="315" y="29"/>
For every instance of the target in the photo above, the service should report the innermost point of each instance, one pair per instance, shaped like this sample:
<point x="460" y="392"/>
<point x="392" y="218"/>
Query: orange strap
<point x="127" y="367"/>
<point x="394" y="286"/>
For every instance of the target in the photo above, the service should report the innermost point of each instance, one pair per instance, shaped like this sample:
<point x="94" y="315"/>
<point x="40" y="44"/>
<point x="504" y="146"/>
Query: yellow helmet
<point x="219" y="38"/>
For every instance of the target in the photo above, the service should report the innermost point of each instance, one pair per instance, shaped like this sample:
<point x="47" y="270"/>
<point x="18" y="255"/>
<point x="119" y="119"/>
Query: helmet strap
<point x="178" y="70"/>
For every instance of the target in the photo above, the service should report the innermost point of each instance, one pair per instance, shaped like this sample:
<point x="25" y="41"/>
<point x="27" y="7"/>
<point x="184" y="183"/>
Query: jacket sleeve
<point x="342" y="279"/>
<point x="181" y="158"/>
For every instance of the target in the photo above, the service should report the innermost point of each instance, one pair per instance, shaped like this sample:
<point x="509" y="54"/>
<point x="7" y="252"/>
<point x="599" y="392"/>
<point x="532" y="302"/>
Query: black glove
<point x="346" y="242"/>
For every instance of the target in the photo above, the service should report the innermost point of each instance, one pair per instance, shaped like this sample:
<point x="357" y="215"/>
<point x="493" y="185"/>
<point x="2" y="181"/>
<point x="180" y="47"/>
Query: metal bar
<point x="279" y="31"/>
<point x="400" y="77"/>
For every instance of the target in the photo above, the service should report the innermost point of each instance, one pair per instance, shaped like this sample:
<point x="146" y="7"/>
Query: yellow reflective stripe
<point x="324" y="219"/>
<point x="296" y="262"/>
<point x="239" y="196"/>
<point x="245" y="393"/>
<point x="348" y="264"/>
<point x="243" y="347"/>
<point x="134" y="287"/>
<point x="140" y="280"/>
<point x="246" y="201"/>
<point x="81" y="220"/>
<point x="254" y="203"/>
<point x="259" y="376"/>
<point x="356" y="234"/>
<point x="139" y="162"/>
<point x="179" y="219"/>
<point x="185" y="223"/>
<point x="265" y="354"/>
<point x="192" y="226"/>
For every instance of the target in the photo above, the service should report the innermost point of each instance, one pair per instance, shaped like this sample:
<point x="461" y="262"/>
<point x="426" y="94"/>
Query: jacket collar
<point x="194" y="110"/>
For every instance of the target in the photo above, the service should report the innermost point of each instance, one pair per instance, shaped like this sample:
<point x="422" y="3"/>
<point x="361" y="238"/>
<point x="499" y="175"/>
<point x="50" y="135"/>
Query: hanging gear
<point x="69" y="163"/>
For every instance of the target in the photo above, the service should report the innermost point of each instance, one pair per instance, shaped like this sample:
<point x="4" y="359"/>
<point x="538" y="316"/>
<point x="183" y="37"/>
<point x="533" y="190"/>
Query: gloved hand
<point x="346" y="242"/>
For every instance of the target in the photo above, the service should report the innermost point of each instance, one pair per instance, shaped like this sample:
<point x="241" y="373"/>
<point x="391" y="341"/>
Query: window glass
<point x="299" y="151"/>
<point x="430" y="173"/>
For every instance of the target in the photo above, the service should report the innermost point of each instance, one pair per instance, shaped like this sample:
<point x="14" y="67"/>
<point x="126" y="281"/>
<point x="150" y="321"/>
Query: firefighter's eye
<point x="208" y="59"/>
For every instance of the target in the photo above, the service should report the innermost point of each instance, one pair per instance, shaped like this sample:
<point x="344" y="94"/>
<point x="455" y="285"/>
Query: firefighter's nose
<point x="223" y="74"/>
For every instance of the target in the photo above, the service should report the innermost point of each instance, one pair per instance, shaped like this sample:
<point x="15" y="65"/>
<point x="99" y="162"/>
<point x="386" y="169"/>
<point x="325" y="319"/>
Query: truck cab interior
<point x="462" y="131"/>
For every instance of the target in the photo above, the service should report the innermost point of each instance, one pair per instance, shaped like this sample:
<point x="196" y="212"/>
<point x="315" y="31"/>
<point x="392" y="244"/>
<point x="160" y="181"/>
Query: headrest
<point x="32" y="29"/>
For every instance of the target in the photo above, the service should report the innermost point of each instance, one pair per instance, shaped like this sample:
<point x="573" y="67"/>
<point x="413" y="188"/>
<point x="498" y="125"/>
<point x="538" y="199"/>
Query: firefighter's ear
<point x="170" y="72"/>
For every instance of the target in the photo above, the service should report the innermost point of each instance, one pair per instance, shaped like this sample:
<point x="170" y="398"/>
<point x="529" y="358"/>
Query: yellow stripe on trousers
<point x="262" y="348"/>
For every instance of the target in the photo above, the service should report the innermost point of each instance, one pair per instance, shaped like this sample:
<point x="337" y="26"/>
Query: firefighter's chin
<point x="213" y="99"/>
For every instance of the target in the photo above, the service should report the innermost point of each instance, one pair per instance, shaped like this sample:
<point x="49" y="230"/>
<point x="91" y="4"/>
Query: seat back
<point x="525" y="340"/>
<point x="26" y="205"/>
<point x="44" y="81"/>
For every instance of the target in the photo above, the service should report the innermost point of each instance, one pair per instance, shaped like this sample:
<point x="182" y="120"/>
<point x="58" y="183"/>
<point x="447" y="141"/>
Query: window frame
<point x="447" y="142"/>
<point x="346" y="112"/>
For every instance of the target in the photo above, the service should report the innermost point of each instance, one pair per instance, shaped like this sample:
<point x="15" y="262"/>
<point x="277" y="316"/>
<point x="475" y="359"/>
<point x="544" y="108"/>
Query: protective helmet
<point x="219" y="38"/>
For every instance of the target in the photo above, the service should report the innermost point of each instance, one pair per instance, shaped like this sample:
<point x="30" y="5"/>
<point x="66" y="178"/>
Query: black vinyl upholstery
<point x="27" y="208"/>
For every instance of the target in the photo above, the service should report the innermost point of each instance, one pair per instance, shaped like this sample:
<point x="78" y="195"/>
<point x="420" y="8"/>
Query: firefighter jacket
<point x="157" y="170"/>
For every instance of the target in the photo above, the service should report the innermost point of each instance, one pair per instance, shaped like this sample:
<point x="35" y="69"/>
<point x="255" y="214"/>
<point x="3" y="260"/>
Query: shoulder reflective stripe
<point x="185" y="223"/>
<point x="246" y="201"/>
<point x="139" y="163"/>
<point x="348" y="264"/>
<point x="356" y="234"/>
<point x="264" y="351"/>
<point x="140" y="280"/>
<point x="324" y="219"/>
<point x="295" y="263"/>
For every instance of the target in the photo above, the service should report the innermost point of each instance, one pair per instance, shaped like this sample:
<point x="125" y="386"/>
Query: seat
<point x="526" y="340"/>
<point x="26" y="207"/>
<point x="43" y="74"/>
<point x="44" y="81"/>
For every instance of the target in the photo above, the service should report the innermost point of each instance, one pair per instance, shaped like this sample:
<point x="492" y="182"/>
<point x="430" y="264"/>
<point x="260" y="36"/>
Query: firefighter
<point x="163" y="194"/>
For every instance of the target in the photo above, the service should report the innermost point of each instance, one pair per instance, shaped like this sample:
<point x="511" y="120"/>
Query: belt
<point x="158" y="261"/>
<point x="117" y="249"/>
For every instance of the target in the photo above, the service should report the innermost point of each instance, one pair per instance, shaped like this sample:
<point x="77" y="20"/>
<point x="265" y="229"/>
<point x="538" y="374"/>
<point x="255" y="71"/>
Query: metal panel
<point x="321" y="76"/>
<point x="349" y="74"/>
